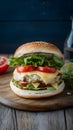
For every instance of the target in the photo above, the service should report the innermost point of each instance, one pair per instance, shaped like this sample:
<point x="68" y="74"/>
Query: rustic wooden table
<point x="11" y="119"/>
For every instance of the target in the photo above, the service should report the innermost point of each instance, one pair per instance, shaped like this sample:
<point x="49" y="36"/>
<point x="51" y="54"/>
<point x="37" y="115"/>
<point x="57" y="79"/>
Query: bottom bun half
<point x="36" y="94"/>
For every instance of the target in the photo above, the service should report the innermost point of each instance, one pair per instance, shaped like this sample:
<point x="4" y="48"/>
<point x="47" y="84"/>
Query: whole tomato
<point x="3" y="64"/>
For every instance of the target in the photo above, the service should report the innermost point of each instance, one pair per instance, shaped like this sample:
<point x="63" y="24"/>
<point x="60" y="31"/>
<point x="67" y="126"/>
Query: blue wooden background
<point x="29" y="20"/>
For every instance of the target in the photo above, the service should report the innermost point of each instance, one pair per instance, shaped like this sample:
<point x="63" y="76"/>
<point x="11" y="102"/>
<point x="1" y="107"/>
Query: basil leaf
<point x="67" y="74"/>
<point x="67" y="70"/>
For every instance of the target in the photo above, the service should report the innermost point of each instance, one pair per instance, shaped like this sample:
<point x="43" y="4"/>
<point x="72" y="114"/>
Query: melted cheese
<point x="55" y="85"/>
<point x="36" y="84"/>
<point x="46" y="77"/>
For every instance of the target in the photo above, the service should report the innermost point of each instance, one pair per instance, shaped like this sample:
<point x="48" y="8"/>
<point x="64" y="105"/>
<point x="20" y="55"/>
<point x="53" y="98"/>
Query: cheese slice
<point x="46" y="77"/>
<point x="36" y="84"/>
<point x="55" y="85"/>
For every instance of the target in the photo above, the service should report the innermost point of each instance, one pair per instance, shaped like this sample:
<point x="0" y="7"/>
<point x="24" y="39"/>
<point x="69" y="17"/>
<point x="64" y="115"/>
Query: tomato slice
<point x="46" y="69"/>
<point x="27" y="68"/>
<point x="3" y="64"/>
<point x="22" y="83"/>
<point x="42" y="85"/>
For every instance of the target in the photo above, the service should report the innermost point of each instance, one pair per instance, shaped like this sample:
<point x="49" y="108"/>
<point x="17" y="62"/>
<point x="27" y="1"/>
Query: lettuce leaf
<point x="37" y="60"/>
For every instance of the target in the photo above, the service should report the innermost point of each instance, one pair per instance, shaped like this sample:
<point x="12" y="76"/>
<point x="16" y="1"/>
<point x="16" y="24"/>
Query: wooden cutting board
<point x="8" y="98"/>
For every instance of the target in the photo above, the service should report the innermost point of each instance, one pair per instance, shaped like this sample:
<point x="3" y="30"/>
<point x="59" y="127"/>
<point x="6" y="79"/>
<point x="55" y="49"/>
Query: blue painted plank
<point x="35" y="9"/>
<point x="13" y="34"/>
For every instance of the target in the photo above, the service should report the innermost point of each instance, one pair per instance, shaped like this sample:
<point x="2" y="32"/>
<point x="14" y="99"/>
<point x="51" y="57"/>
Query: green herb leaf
<point x="67" y="74"/>
<point x="37" y="60"/>
<point x="50" y="88"/>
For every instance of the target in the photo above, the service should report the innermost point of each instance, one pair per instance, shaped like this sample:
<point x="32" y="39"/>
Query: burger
<point x="37" y="70"/>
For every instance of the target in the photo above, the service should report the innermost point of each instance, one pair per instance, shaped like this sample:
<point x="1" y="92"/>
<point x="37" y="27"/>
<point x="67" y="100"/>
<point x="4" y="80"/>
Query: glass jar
<point x="68" y="45"/>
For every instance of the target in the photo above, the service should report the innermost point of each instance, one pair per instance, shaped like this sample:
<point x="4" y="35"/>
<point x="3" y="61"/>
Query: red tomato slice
<point x="43" y="84"/>
<point x="27" y="68"/>
<point x="22" y="83"/>
<point x="46" y="69"/>
<point x="3" y="64"/>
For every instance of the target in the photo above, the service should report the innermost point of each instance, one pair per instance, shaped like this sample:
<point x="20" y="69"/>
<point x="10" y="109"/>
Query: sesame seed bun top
<point x="37" y="47"/>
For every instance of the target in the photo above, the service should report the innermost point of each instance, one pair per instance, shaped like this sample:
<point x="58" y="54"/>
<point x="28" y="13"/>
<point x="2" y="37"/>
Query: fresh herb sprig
<point x="67" y="74"/>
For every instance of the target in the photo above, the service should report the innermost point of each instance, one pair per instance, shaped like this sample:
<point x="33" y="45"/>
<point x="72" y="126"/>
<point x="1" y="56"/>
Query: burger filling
<point x="37" y="71"/>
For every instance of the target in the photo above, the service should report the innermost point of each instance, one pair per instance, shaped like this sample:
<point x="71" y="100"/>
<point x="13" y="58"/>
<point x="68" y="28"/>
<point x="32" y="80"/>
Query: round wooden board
<point x="8" y="98"/>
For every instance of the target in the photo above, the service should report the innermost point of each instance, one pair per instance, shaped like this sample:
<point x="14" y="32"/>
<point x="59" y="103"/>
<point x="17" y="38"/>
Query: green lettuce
<point x="37" y="60"/>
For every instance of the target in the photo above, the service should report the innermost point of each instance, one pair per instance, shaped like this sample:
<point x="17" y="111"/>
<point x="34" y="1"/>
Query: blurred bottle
<point x="68" y="46"/>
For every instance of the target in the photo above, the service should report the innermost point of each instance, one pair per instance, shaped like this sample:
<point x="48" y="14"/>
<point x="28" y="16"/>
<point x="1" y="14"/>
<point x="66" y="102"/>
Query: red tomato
<point x="46" y="69"/>
<point x="22" y="83"/>
<point x="43" y="84"/>
<point x="3" y="64"/>
<point x="27" y="68"/>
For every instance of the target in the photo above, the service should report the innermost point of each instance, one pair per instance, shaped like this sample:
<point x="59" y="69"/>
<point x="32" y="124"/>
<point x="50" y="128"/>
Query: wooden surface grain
<point x="11" y="119"/>
<point x="69" y="118"/>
